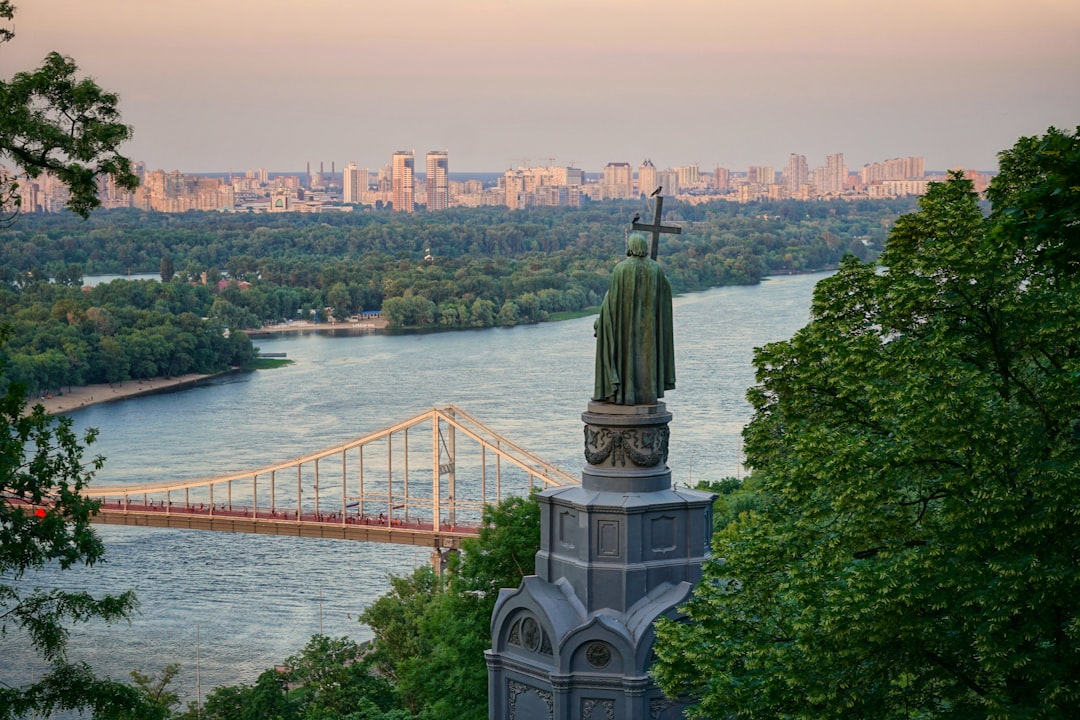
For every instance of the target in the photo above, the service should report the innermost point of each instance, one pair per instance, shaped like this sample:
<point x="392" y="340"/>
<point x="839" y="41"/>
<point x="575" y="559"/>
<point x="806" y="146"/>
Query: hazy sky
<point x="220" y="84"/>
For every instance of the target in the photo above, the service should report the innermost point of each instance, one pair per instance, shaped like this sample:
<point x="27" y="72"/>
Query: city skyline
<point x="239" y="85"/>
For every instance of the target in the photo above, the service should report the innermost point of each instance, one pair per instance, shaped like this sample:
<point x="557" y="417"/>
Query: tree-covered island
<point x="459" y="268"/>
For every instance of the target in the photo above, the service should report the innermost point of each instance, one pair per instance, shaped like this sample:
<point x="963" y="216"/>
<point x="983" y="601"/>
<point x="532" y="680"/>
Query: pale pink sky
<point x="220" y="84"/>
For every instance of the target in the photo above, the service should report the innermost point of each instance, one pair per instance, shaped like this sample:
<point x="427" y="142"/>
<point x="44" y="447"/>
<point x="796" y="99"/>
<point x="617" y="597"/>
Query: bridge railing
<point x="444" y="481"/>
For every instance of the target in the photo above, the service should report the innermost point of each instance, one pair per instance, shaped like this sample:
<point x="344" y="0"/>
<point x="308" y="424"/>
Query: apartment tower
<point x="798" y="174"/>
<point x="646" y="178"/>
<point x="353" y="184"/>
<point x="438" y="180"/>
<point x="618" y="180"/>
<point x="401" y="176"/>
<point x="836" y="173"/>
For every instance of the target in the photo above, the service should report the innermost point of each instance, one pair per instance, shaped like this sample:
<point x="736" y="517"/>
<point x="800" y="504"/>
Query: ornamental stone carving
<point x="598" y="654"/>
<point x="516" y="688"/>
<point x="597" y="708"/>
<point x="644" y="447"/>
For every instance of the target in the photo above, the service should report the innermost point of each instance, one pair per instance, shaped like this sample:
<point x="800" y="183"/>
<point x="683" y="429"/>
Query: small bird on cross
<point x="657" y="191"/>
<point x="637" y="216"/>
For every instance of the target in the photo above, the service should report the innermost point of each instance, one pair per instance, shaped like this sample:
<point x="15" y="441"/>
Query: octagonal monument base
<point x="574" y="641"/>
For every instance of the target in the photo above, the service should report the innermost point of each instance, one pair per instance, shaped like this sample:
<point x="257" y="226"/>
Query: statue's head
<point x="637" y="245"/>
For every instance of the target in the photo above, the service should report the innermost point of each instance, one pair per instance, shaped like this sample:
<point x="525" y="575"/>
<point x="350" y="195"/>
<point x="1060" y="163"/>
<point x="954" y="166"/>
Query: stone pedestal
<point x="574" y="641"/>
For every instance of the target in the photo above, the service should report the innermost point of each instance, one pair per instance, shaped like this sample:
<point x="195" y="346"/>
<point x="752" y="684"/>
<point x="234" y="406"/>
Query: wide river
<point x="243" y="603"/>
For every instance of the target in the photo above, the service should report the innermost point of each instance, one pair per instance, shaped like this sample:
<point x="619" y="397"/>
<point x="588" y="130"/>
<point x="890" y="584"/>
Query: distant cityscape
<point x="397" y="186"/>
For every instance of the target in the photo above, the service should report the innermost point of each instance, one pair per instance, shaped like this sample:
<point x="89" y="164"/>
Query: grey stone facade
<point x="574" y="641"/>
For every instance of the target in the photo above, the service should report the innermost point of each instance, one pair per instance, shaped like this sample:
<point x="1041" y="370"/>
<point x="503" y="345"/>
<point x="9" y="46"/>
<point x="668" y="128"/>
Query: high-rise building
<point x="363" y="184"/>
<point x="721" y="179"/>
<point x="513" y="182"/>
<point x="646" y="178"/>
<point x="834" y="178"/>
<point x="688" y="175"/>
<point x="438" y="177"/>
<point x="351" y="189"/>
<point x="760" y="175"/>
<point x="618" y="180"/>
<point x="567" y="176"/>
<point x="797" y="175"/>
<point x="669" y="180"/>
<point x="401" y="176"/>
<point x="385" y="182"/>
<point x="905" y="168"/>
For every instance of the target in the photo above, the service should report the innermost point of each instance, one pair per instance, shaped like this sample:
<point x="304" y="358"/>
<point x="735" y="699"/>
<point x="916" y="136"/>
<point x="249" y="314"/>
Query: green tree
<point x="913" y="550"/>
<point x="44" y="518"/>
<point x="269" y="697"/>
<point x="401" y="645"/>
<point x="157" y="692"/>
<point x="53" y="122"/>
<point x="508" y="313"/>
<point x="167" y="269"/>
<point x="71" y="274"/>
<point x="340" y="301"/>
<point x="431" y="632"/>
<point x="336" y="680"/>
<point x="483" y="313"/>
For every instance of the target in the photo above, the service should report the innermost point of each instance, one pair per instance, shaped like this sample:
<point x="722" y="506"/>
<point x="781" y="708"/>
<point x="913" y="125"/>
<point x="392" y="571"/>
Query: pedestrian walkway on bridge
<point x="374" y="488"/>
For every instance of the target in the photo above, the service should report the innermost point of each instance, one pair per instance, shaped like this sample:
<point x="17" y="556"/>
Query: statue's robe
<point x="635" y="352"/>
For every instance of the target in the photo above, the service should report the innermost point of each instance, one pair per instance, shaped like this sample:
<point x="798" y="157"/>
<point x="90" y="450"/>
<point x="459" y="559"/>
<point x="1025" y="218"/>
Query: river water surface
<point x="243" y="602"/>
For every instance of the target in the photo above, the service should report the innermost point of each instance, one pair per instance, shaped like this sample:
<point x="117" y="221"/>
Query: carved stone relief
<point x="644" y="447"/>
<point x="598" y="654"/>
<point x="527" y="633"/>
<point x="597" y="708"/>
<point x="515" y="688"/>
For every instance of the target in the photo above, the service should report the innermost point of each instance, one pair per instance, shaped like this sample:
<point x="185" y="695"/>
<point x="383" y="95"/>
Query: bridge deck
<point x="469" y="465"/>
<point x="416" y="533"/>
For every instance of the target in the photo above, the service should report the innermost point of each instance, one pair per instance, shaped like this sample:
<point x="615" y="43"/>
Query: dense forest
<point x="464" y="267"/>
<point x="59" y="336"/>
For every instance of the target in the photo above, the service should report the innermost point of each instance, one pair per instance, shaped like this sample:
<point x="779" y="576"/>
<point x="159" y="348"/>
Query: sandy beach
<point x="79" y="397"/>
<point x="91" y="394"/>
<point x="367" y="324"/>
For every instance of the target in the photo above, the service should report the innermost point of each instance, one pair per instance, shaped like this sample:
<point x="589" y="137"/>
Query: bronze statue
<point x="635" y="352"/>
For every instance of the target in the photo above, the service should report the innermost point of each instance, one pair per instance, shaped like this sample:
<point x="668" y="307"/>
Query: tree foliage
<point x="61" y="336"/>
<point x="431" y="632"/>
<point x="44" y="518"/>
<point x="913" y="548"/>
<point x="328" y="680"/>
<point x="427" y="659"/>
<point x="489" y="266"/>
<point x="52" y="121"/>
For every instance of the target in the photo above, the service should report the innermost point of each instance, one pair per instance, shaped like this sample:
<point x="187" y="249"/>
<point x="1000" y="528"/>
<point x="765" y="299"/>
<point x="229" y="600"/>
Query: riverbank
<point x="366" y="325"/>
<point x="93" y="394"/>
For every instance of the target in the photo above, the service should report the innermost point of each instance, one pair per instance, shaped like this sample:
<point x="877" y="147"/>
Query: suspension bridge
<point x="376" y="488"/>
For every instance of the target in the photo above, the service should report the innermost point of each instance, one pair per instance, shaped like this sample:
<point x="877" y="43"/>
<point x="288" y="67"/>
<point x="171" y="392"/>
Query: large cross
<point x="656" y="228"/>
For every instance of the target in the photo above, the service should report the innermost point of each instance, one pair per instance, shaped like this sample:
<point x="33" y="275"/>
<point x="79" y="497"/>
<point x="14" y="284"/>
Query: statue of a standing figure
<point x="635" y="352"/>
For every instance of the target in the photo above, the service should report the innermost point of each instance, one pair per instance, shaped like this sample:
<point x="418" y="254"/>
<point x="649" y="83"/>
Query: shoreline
<point x="86" y="395"/>
<point x="308" y="325"/>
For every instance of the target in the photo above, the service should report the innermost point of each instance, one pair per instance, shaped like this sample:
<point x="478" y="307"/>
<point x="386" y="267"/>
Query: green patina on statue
<point x="635" y="352"/>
